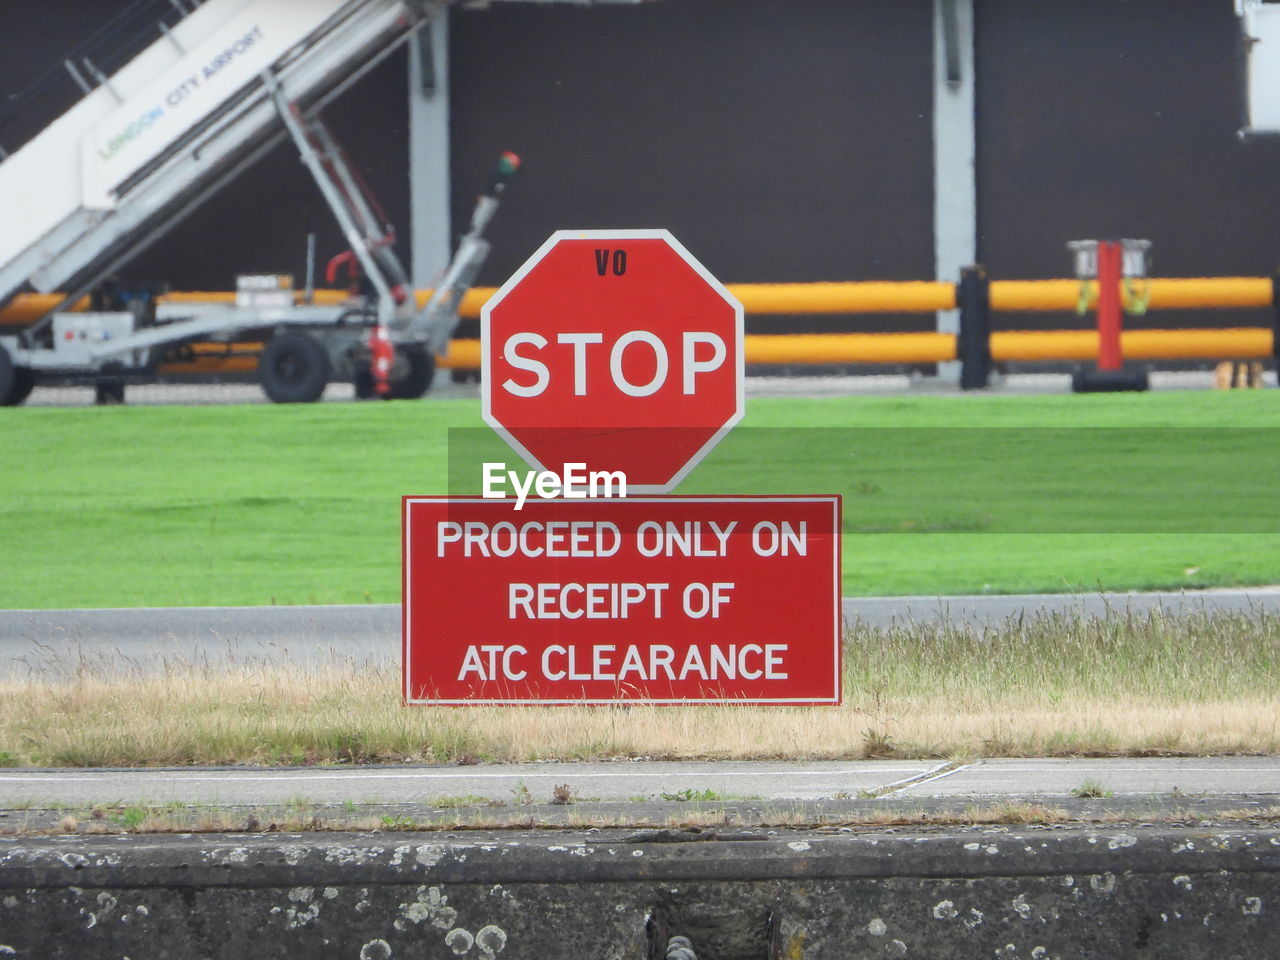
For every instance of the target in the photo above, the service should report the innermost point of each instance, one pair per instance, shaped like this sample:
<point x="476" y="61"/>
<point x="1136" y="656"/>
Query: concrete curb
<point x="255" y="860"/>
<point x="1030" y="893"/>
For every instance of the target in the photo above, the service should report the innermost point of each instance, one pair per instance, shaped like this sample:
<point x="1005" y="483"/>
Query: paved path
<point x="1257" y="777"/>
<point x="141" y="637"/>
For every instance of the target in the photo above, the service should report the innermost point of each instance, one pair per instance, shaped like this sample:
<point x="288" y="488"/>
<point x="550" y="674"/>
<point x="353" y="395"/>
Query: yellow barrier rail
<point x="1241" y="343"/>
<point x="864" y="297"/>
<point x="1022" y="345"/>
<point x="908" y="296"/>
<point x="830" y="348"/>
<point x="1165" y="293"/>
<point x="875" y="297"/>
<point x="1237" y="343"/>
<point x="801" y="348"/>
<point x="1161" y="293"/>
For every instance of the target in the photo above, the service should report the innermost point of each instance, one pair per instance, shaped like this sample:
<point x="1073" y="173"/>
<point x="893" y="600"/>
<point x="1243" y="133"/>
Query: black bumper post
<point x="1275" y="317"/>
<point x="974" y="344"/>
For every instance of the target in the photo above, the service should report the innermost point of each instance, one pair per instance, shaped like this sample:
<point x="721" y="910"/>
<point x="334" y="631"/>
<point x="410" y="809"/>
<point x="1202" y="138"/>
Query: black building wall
<point x="782" y="139"/>
<point x="1120" y="118"/>
<point x="778" y="140"/>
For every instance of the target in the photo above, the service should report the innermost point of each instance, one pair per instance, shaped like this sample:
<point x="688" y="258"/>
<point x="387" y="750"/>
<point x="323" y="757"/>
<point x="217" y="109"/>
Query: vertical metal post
<point x="1110" y="356"/>
<point x="430" y="229"/>
<point x="973" y="298"/>
<point x="955" y="215"/>
<point x="310" y="294"/>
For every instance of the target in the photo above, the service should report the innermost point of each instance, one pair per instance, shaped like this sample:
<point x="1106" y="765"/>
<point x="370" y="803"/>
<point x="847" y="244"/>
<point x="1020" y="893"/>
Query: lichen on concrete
<point x="1043" y="894"/>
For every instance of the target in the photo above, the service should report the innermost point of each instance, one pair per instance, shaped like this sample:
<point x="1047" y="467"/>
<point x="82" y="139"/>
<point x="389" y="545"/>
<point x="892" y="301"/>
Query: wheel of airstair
<point x="412" y="373"/>
<point x="294" y="368"/>
<point x="15" y="382"/>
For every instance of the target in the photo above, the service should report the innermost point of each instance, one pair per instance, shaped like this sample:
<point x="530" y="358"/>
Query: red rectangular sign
<point x="643" y="600"/>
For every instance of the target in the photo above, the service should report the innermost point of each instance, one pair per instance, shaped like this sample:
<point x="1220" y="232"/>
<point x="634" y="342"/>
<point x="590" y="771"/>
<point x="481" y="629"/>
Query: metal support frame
<point x="78" y="77"/>
<point x="88" y="244"/>
<point x="440" y="316"/>
<point x="378" y="234"/>
<point x="88" y="256"/>
<point x="339" y="204"/>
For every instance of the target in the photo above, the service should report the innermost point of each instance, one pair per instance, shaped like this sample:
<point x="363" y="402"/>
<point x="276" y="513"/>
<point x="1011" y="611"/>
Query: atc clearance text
<point x="620" y="600"/>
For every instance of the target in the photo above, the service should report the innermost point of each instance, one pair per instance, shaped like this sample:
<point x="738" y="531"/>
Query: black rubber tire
<point x="8" y="376"/>
<point x="414" y="369"/>
<point x="294" y="368"/>
<point x="362" y="380"/>
<point x="108" y="393"/>
<point x="24" y="381"/>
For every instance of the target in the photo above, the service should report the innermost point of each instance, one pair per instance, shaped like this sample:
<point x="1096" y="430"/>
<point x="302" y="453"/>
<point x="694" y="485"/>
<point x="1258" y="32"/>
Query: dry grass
<point x="1048" y="686"/>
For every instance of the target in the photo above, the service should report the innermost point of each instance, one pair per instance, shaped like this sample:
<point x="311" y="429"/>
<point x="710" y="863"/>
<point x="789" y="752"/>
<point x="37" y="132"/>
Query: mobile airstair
<point x="210" y="86"/>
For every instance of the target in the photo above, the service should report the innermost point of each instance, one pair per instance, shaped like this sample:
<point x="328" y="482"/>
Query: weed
<point x="877" y="743"/>
<point x="131" y="817"/>
<point x="1014" y="811"/>
<point x="562" y="794"/>
<point x="689" y="794"/>
<point x="1092" y="790"/>
<point x="521" y="794"/>
<point x="466" y="800"/>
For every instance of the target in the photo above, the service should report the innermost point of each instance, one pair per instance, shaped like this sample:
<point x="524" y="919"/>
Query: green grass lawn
<point x="264" y="504"/>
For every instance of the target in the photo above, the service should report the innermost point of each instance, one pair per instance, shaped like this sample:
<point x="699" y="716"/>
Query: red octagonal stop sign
<point x="615" y="349"/>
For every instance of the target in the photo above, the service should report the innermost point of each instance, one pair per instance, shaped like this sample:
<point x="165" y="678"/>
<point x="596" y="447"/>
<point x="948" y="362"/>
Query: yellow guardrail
<point x="1161" y="293"/>
<point x="856" y="297"/>
<point x="908" y="296"/>
<point x="1025" y="345"/>
<point x="801" y="348"/>
<point x="1234" y="343"/>
<point x="820" y="348"/>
